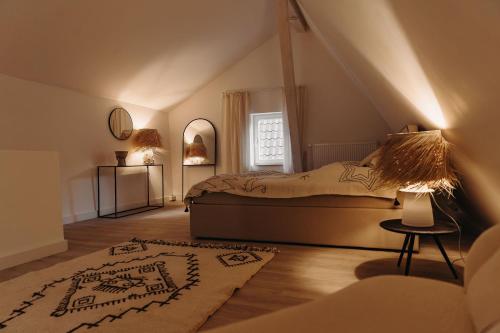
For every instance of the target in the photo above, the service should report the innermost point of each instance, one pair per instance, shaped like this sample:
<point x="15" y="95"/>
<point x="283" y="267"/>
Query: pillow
<point x="371" y="160"/>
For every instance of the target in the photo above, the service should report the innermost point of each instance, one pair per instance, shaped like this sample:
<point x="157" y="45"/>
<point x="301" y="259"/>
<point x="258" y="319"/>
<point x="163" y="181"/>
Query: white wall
<point x="30" y="207"/>
<point x="336" y="110"/>
<point x="40" y="117"/>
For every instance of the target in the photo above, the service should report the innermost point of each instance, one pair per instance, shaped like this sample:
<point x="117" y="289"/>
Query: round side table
<point x="439" y="228"/>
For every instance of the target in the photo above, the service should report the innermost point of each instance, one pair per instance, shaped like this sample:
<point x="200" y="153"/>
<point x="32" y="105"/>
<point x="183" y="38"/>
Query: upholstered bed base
<point x="336" y="226"/>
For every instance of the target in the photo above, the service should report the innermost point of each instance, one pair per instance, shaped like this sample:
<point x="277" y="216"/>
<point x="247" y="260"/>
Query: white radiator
<point x="325" y="153"/>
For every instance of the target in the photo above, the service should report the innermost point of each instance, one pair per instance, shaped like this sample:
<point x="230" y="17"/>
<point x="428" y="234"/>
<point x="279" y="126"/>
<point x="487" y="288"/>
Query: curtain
<point x="235" y="109"/>
<point x="301" y="102"/>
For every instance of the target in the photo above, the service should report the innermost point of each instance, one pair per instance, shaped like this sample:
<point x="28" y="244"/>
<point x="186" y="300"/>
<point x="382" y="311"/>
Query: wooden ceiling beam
<point x="289" y="81"/>
<point x="297" y="18"/>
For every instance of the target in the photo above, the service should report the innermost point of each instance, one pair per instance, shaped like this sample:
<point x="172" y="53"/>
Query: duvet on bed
<point x="339" y="178"/>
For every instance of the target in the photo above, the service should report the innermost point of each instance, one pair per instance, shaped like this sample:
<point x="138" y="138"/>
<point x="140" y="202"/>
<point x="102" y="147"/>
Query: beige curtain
<point x="301" y="116"/>
<point x="301" y="105"/>
<point x="235" y="108"/>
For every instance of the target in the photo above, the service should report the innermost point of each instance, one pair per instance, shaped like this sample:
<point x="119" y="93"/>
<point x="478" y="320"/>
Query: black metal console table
<point x="132" y="211"/>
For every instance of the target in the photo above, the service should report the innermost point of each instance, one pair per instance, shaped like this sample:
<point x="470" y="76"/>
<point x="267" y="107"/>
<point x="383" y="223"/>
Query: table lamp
<point x="419" y="164"/>
<point x="147" y="140"/>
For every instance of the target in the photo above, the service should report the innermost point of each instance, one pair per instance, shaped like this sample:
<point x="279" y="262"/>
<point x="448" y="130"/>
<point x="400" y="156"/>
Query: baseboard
<point x="79" y="217"/>
<point x="33" y="254"/>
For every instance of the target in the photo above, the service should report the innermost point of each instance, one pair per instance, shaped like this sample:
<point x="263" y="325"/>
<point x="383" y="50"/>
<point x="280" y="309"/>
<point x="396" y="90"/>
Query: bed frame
<point x="346" y="227"/>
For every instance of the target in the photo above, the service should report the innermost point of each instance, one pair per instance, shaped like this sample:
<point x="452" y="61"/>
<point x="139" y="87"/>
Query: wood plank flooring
<point x="297" y="274"/>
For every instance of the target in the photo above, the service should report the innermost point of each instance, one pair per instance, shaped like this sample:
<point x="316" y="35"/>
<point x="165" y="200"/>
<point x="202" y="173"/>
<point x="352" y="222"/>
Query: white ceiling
<point x="152" y="53"/>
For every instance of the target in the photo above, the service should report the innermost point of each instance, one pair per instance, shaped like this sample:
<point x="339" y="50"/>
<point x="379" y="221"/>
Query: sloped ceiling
<point x="152" y="53"/>
<point x="428" y="60"/>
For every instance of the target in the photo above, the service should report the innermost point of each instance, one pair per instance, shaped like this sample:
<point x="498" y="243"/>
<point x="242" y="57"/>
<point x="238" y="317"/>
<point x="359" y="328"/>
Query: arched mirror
<point x="199" y="143"/>
<point x="120" y="124"/>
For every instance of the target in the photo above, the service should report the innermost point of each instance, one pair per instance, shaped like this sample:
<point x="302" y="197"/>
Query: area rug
<point x="138" y="286"/>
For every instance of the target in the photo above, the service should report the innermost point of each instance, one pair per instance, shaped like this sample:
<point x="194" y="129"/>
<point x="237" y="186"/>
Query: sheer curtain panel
<point x="235" y="108"/>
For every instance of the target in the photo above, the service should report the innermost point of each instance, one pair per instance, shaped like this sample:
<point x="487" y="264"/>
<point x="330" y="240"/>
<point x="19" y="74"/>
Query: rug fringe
<point x="243" y="247"/>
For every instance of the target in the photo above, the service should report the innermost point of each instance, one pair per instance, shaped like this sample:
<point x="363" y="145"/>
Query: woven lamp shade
<point x="147" y="138"/>
<point x="197" y="149"/>
<point x="417" y="160"/>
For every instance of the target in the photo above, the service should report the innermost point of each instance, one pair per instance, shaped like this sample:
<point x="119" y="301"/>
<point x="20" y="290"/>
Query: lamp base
<point x="148" y="161"/>
<point x="417" y="210"/>
<point x="149" y="157"/>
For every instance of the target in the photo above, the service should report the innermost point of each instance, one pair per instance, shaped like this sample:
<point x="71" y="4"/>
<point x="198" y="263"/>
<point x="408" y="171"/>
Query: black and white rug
<point x="141" y="285"/>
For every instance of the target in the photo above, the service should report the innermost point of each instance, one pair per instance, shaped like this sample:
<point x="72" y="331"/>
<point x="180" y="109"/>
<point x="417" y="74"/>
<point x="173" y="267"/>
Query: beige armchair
<point x="401" y="303"/>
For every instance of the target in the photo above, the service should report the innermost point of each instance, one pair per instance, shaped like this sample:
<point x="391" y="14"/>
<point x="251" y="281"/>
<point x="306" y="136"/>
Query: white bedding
<point x="344" y="178"/>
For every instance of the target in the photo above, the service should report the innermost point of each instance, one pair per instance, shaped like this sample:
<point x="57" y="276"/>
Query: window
<point x="266" y="138"/>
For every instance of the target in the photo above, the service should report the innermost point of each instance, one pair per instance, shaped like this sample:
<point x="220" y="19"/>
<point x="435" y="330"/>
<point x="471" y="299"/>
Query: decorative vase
<point x="121" y="155"/>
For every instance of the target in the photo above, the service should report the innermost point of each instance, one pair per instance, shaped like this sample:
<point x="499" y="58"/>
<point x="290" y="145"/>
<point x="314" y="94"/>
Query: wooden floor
<point x="297" y="274"/>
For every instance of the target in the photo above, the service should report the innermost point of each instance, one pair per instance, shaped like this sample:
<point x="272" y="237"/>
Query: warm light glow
<point x="374" y="31"/>
<point x="140" y="117"/>
<point x="196" y="128"/>
<point x="388" y="50"/>
<point x="195" y="160"/>
<point x="140" y="156"/>
<point x="135" y="157"/>
<point x="148" y="156"/>
<point x="417" y="188"/>
<point x="150" y="87"/>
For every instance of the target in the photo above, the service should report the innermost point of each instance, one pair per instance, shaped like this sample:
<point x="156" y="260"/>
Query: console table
<point x="132" y="211"/>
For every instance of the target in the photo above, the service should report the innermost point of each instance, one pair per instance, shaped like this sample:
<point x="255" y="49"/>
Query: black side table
<point x="439" y="228"/>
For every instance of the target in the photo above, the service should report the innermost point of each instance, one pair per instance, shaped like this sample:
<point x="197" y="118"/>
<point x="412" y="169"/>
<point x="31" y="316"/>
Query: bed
<point x="339" y="204"/>
<point x="275" y="207"/>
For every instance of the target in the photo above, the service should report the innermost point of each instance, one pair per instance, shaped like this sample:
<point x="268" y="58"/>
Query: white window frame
<point x="254" y="139"/>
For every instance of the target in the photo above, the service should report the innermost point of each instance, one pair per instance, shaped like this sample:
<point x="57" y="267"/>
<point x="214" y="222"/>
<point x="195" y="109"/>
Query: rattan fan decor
<point x="418" y="160"/>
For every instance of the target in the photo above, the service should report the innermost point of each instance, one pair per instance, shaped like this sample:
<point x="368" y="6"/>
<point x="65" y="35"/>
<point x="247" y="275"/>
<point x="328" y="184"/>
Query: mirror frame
<point x="111" y="129"/>
<point x="184" y="144"/>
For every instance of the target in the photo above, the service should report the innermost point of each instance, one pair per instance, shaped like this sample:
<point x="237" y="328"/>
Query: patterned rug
<point x="138" y="286"/>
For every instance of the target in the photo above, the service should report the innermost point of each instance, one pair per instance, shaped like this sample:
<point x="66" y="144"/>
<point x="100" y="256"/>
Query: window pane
<point x="269" y="143"/>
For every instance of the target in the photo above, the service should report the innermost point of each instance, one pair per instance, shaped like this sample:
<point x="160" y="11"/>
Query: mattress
<point x="333" y="201"/>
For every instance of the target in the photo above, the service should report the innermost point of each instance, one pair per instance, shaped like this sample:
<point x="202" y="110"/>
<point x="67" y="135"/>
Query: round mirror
<point x="199" y="143"/>
<point x="120" y="124"/>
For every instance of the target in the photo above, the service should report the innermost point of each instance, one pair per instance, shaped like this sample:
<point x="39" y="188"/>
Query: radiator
<point x="324" y="153"/>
